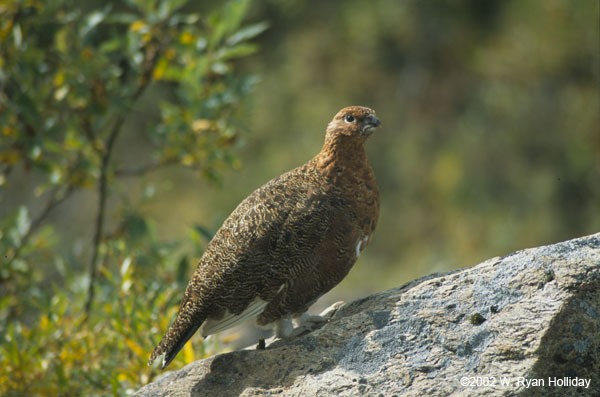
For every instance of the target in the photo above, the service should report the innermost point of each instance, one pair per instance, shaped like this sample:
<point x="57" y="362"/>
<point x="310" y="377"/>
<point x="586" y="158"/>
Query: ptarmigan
<point x="286" y="244"/>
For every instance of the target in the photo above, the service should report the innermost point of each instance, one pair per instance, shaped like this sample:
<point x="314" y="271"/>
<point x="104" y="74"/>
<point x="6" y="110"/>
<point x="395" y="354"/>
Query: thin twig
<point x="102" y="184"/>
<point x="150" y="63"/>
<point x="37" y="222"/>
<point x="90" y="134"/>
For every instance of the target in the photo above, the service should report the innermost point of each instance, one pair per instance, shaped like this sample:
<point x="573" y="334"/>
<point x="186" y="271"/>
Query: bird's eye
<point x="349" y="119"/>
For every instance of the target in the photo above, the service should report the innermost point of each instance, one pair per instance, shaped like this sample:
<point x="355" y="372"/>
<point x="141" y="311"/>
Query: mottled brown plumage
<point x="288" y="243"/>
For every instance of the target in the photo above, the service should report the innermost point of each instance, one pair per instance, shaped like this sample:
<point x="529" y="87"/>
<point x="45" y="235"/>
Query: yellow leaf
<point x="59" y="79"/>
<point x="159" y="70"/>
<point x="186" y="38"/>
<point x="44" y="322"/>
<point x="188" y="353"/>
<point x="137" y="349"/>
<point x="9" y="131"/>
<point x="187" y="116"/>
<point x="170" y="53"/>
<point x="9" y="157"/>
<point x="73" y="140"/>
<point x="5" y="30"/>
<point x="137" y="25"/>
<point x="87" y="53"/>
<point x="202" y="125"/>
<point x="62" y="40"/>
<point x="187" y="159"/>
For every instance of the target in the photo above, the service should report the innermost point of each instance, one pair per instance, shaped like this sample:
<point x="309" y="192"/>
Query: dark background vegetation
<point x="490" y="143"/>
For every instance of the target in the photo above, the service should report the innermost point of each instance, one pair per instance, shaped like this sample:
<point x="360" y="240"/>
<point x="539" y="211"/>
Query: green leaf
<point x="94" y="19"/>
<point x="147" y="7"/>
<point x="237" y="51"/>
<point x="188" y="19"/>
<point x="182" y="269"/>
<point x="247" y="33"/>
<point x="125" y="267"/>
<point x="227" y="20"/>
<point x="17" y="35"/>
<point x="23" y="221"/>
<point x="166" y="8"/>
<point x="204" y="232"/>
<point x="19" y="265"/>
<point x="220" y="68"/>
<point x="126" y="274"/>
<point x="61" y="40"/>
<point x="112" y="45"/>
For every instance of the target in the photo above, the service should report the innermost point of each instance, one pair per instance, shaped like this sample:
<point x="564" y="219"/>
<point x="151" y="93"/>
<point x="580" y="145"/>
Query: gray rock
<point x="530" y="316"/>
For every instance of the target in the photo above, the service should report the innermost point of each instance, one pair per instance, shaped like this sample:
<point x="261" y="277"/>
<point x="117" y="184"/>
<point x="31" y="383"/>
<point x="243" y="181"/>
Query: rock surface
<point x="531" y="316"/>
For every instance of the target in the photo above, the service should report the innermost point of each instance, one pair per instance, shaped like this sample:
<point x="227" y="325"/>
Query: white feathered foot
<point x="304" y="324"/>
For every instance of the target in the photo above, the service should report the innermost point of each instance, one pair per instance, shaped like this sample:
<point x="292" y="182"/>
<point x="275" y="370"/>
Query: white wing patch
<point x="359" y="245"/>
<point x="229" y="320"/>
<point x="358" y="248"/>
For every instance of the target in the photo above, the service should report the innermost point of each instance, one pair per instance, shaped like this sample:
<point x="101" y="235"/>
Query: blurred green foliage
<point x="73" y="79"/>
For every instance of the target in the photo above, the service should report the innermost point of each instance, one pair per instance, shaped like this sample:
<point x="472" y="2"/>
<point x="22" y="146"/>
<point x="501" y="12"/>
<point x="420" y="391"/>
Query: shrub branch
<point x="151" y="58"/>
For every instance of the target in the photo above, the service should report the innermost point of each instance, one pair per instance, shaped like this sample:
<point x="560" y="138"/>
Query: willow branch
<point x="151" y="58"/>
<point x="99" y="224"/>
<point x="52" y="203"/>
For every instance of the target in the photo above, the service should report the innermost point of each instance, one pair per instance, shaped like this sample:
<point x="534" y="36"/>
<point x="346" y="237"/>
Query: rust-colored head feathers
<point x="353" y="121"/>
<point x="286" y="244"/>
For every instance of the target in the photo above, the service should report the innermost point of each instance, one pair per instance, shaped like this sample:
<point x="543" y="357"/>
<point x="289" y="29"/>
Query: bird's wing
<point x="240" y="272"/>
<point x="230" y="320"/>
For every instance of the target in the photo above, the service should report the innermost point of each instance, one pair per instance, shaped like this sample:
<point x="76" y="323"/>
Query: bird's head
<point x="353" y="121"/>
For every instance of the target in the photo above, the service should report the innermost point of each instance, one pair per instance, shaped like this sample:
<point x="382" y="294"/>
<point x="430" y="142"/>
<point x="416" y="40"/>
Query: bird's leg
<point x="306" y="323"/>
<point x="309" y="320"/>
<point x="284" y="328"/>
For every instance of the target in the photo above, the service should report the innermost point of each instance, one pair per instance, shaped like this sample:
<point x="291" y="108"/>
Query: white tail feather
<point x="230" y="320"/>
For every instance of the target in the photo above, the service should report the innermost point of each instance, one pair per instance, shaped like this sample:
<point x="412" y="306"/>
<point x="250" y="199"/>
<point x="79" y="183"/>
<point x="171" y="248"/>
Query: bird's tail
<point x="182" y="329"/>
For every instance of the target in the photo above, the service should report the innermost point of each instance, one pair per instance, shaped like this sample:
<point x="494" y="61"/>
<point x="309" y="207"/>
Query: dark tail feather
<point x="178" y="334"/>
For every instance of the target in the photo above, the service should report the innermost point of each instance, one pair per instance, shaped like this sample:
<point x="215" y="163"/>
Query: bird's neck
<point x="339" y="155"/>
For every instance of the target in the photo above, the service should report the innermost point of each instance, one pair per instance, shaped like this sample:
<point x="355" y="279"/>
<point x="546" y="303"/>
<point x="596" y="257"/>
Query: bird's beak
<point x="371" y="122"/>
